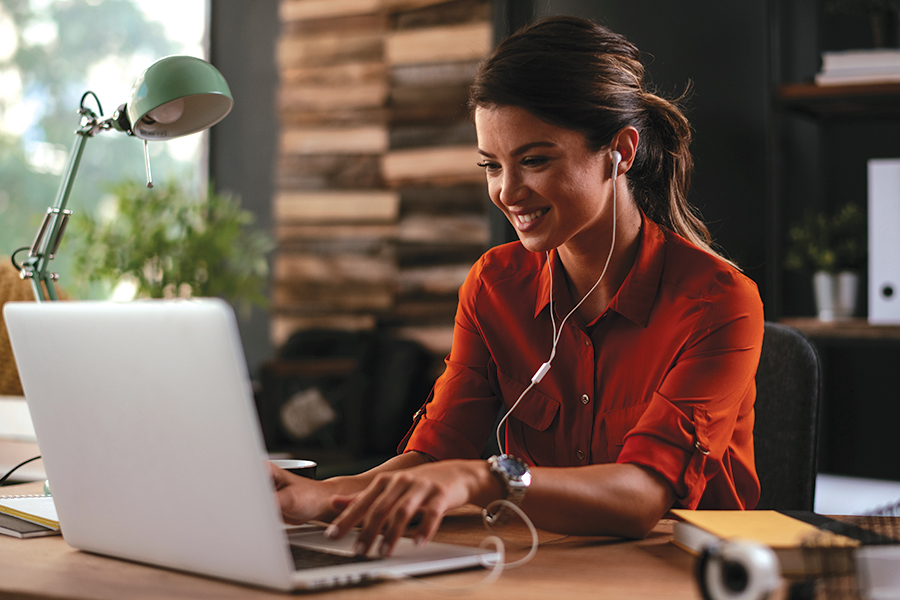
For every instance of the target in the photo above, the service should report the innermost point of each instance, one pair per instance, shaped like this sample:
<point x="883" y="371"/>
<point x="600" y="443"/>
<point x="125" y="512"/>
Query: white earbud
<point x="616" y="159"/>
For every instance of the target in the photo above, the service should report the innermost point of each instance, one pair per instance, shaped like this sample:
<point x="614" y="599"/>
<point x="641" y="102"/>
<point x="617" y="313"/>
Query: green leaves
<point x="169" y="244"/>
<point x="828" y="242"/>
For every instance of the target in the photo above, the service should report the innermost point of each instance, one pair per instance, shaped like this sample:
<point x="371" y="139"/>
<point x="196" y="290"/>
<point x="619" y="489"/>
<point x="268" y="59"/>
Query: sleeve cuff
<point x="672" y="444"/>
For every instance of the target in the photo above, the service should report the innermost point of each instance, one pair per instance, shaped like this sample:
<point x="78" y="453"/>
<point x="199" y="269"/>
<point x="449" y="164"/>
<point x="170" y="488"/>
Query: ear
<point x="625" y="142"/>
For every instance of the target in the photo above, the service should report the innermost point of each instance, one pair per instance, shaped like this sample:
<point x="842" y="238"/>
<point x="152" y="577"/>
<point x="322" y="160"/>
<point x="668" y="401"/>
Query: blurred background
<point x="350" y="150"/>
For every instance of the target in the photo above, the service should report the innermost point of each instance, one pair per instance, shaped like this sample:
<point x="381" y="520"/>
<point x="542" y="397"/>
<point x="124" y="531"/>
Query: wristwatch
<point x="515" y="476"/>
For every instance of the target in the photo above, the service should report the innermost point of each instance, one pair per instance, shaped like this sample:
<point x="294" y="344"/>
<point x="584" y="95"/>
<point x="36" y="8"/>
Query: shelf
<point x="870" y="101"/>
<point x="850" y="329"/>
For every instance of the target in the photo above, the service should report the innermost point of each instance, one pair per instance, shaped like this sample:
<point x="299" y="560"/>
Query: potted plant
<point x="833" y="247"/>
<point x="164" y="243"/>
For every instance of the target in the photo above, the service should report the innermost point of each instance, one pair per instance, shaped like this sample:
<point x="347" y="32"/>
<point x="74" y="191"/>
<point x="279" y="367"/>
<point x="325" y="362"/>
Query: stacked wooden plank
<point x="380" y="208"/>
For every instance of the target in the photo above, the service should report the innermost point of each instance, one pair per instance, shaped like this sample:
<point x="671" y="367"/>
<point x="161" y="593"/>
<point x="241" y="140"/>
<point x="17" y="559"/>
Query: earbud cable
<point x="557" y="333"/>
<point x="496" y="566"/>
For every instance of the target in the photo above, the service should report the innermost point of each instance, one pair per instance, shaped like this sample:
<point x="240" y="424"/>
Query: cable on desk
<point x="496" y="567"/>
<point x="13" y="470"/>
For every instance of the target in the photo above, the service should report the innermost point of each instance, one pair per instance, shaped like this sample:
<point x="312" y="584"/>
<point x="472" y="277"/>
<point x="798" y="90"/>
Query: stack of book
<point x="849" y="67"/>
<point x="28" y="516"/>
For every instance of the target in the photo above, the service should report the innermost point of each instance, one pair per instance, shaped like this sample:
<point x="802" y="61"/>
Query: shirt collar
<point x="636" y="295"/>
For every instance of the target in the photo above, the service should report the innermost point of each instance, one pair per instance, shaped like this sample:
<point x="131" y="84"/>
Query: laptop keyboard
<point x="304" y="558"/>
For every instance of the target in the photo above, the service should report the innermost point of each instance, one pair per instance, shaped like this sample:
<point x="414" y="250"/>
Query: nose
<point x="512" y="188"/>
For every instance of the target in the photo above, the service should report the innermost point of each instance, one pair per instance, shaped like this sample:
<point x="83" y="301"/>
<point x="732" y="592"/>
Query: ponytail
<point x="581" y="76"/>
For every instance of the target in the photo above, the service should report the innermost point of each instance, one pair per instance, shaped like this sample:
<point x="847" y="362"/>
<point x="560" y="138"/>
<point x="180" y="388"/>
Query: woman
<point x="651" y="338"/>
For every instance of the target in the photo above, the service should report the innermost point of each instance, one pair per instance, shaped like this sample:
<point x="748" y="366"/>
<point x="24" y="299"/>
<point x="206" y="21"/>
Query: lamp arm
<point x="49" y="235"/>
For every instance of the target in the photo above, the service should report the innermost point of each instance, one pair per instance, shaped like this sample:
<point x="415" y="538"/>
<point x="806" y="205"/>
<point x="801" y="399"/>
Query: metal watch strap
<point x="515" y="486"/>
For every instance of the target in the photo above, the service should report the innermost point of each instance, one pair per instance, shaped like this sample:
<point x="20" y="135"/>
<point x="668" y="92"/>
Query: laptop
<point x="145" y="418"/>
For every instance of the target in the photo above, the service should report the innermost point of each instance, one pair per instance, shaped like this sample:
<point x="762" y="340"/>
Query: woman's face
<point x="553" y="189"/>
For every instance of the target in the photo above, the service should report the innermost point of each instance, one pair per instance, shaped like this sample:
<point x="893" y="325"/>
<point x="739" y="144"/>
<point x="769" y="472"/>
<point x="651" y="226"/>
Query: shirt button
<point x="580" y="454"/>
<point x="587" y="342"/>
<point x="585" y="399"/>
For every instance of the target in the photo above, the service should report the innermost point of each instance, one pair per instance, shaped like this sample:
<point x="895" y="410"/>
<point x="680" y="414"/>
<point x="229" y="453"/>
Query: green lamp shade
<point x="176" y="96"/>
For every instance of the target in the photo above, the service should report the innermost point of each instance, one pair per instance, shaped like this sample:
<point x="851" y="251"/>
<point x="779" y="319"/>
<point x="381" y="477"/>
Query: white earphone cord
<point x="557" y="333"/>
<point x="496" y="567"/>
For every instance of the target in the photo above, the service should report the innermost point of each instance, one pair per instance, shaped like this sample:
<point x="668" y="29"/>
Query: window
<point x="51" y="53"/>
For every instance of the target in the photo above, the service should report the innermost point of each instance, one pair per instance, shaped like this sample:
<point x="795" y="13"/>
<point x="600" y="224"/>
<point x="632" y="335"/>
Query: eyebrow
<point x="521" y="149"/>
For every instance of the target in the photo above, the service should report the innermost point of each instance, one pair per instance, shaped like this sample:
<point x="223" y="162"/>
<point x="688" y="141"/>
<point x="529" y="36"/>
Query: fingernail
<point x="359" y="549"/>
<point x="419" y="540"/>
<point x="331" y="531"/>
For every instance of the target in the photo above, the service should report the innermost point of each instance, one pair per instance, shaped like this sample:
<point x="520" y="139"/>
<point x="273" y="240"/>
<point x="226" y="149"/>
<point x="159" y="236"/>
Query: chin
<point x="534" y="245"/>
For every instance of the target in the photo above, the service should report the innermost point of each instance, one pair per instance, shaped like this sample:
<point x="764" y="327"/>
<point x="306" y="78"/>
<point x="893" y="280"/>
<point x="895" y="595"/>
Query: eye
<point x="535" y="161"/>
<point x="489" y="166"/>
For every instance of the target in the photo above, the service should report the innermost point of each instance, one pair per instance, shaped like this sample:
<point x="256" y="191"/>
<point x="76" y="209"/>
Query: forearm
<point x="611" y="499"/>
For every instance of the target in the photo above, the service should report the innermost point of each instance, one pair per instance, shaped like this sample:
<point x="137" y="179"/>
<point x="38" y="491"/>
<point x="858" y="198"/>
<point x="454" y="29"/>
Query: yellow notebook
<point x="35" y="509"/>
<point x="770" y="527"/>
<point x="802" y="548"/>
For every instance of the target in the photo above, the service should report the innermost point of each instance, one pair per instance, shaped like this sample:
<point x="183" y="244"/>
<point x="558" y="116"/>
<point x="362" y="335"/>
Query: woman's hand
<point x="393" y="499"/>
<point x="301" y="499"/>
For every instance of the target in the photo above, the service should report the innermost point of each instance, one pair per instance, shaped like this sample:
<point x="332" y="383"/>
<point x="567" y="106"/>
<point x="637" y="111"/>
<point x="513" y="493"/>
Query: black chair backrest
<point x="788" y="392"/>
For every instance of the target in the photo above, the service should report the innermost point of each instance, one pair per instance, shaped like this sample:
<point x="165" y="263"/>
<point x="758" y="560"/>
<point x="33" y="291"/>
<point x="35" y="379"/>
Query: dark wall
<point x="242" y="147"/>
<point x="720" y="47"/>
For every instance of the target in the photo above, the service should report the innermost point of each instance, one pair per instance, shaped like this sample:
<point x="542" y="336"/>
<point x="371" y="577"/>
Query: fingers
<point x="394" y="498"/>
<point x="397" y="515"/>
<point x="386" y="507"/>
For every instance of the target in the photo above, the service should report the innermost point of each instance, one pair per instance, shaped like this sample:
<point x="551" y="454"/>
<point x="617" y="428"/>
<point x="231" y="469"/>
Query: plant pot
<point x="835" y="294"/>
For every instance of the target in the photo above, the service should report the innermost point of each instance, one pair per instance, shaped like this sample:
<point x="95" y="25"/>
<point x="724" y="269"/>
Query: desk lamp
<point x="173" y="97"/>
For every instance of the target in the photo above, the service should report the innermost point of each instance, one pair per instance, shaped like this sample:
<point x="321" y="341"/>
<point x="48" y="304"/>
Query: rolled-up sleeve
<point x="697" y="431"/>
<point x="458" y="417"/>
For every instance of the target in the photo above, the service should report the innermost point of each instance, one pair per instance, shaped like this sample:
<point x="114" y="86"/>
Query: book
<point x="875" y="58"/>
<point x="858" y="77"/>
<point x="850" y="67"/>
<point x="805" y="546"/>
<point x="16" y="527"/>
<point x="36" y="510"/>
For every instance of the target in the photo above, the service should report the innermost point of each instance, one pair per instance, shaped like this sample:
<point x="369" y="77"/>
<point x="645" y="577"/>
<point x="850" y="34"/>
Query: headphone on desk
<point x="738" y="570"/>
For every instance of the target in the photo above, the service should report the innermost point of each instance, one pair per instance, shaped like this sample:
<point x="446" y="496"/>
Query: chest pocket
<point x="529" y="427"/>
<point x="617" y="423"/>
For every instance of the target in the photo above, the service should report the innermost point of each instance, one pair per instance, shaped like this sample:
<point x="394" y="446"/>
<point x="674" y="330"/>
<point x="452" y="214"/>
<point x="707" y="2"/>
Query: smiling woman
<point x="620" y="348"/>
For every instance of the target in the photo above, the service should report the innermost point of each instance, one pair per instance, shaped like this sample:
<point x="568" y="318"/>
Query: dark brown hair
<point x="576" y="74"/>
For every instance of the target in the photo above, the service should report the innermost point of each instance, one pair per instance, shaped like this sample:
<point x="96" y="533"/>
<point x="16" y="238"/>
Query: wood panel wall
<point x="379" y="207"/>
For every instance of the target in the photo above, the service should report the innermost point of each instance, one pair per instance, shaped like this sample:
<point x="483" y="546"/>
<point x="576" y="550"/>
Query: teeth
<point x="531" y="217"/>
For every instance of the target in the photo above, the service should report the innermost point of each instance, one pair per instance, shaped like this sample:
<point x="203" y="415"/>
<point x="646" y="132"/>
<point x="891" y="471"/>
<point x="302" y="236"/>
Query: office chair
<point x="788" y="393"/>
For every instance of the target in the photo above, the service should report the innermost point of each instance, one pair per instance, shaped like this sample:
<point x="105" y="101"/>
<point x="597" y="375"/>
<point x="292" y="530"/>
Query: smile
<point x="531" y="217"/>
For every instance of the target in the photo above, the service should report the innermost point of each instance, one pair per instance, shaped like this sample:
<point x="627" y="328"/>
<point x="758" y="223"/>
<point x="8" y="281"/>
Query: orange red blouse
<point x="663" y="378"/>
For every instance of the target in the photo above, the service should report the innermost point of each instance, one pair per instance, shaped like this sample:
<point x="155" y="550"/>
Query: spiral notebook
<point x="28" y="516"/>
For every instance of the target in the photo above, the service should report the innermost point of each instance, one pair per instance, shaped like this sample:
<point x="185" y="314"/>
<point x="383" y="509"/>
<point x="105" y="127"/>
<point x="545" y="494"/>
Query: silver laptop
<point x="144" y="416"/>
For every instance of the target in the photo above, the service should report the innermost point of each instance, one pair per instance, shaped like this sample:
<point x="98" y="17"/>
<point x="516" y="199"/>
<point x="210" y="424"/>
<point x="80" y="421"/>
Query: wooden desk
<point x="576" y="567"/>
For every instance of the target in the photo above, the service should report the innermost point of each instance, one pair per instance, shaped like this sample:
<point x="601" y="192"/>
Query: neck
<point x="584" y="264"/>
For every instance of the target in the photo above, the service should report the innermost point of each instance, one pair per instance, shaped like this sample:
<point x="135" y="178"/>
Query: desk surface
<point x="582" y="567"/>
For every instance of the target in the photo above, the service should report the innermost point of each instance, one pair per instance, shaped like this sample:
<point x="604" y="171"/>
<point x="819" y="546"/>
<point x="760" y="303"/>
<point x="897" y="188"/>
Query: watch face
<point x="513" y="467"/>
